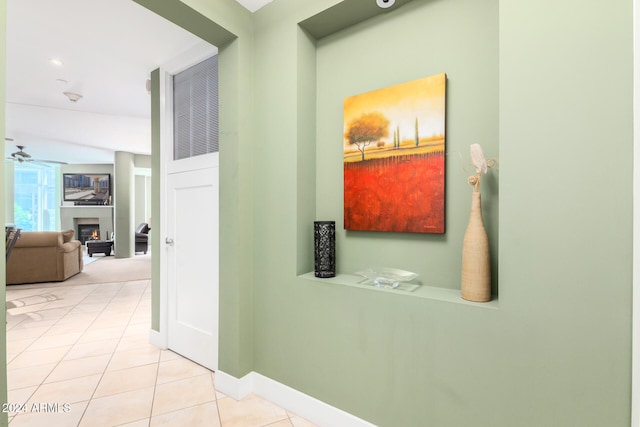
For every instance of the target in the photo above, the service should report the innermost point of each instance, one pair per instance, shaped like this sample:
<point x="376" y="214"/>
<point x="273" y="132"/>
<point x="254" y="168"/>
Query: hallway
<point x="80" y="356"/>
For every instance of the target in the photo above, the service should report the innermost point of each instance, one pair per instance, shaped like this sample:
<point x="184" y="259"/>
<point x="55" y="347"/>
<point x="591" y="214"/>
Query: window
<point x="35" y="197"/>
<point x="195" y="110"/>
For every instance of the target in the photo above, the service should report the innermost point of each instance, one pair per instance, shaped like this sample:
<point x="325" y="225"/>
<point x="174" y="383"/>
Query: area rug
<point x="106" y="269"/>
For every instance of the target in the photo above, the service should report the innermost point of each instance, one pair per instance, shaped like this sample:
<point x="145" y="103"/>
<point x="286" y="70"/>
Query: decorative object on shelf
<point x="325" y="248"/>
<point x="476" y="268"/>
<point x="387" y="277"/>
<point x="394" y="158"/>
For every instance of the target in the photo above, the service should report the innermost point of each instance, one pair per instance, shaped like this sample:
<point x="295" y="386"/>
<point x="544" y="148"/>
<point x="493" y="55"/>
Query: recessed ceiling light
<point x="55" y="61"/>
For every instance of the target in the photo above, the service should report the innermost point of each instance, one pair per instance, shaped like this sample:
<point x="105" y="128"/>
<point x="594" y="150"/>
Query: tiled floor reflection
<point x="80" y="355"/>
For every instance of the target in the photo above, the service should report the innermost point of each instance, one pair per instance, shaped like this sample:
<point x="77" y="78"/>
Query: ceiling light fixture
<point x="73" y="97"/>
<point x="385" y="3"/>
<point x="55" y="61"/>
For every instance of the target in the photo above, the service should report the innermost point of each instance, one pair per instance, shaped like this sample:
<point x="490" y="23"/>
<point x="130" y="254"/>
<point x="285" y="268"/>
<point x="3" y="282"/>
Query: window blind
<point x="195" y="110"/>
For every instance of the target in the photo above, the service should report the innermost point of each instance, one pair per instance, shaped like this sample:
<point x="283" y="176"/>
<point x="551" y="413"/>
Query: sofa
<point x="142" y="238"/>
<point x="44" y="256"/>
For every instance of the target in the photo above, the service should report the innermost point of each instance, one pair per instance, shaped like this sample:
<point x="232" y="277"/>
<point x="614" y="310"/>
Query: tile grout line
<point x="129" y="314"/>
<point x="21" y="352"/>
<point x="62" y="359"/>
<point x="37" y="387"/>
<point x="215" y="394"/>
<point x="76" y="342"/>
<point x="69" y="310"/>
<point x="115" y="348"/>
<point x="215" y="399"/>
<point x="155" y="383"/>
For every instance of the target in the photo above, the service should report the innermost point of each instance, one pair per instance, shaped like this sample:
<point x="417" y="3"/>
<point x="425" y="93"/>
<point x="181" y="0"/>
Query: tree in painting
<point x="366" y="129"/>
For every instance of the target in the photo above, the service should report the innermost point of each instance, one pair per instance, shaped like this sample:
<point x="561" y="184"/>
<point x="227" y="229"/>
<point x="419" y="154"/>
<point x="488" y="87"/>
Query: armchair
<point x="44" y="256"/>
<point x="142" y="238"/>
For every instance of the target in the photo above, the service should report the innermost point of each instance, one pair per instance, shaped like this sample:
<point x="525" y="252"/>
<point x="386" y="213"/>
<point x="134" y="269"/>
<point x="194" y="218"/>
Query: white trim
<point x="202" y="161"/>
<point x="165" y="133"/>
<point x="177" y="64"/>
<point x="195" y="54"/>
<point x="292" y="400"/>
<point x="192" y="56"/>
<point x="158" y="339"/>
<point x="233" y="387"/>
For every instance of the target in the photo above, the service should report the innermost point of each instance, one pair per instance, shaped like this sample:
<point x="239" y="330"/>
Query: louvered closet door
<point x="195" y="103"/>
<point x="192" y="216"/>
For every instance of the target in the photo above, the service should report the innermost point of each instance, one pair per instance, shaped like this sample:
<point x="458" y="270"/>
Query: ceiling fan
<point x="21" y="156"/>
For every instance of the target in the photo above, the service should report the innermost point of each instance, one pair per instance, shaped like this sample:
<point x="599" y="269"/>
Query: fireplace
<point x="98" y="217"/>
<point x="88" y="232"/>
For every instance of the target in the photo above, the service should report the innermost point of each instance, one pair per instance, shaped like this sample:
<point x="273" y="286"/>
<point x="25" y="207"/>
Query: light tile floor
<point x="80" y="356"/>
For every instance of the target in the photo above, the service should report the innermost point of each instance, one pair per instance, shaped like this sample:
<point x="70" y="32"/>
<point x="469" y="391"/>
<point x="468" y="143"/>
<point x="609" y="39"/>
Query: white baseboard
<point x="232" y="386"/>
<point x="157" y="339"/>
<point x="294" y="401"/>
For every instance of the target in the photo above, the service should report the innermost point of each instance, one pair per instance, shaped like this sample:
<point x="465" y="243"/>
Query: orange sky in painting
<point x="401" y="104"/>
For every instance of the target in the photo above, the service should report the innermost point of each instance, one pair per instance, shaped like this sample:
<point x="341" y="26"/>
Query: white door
<point x="189" y="224"/>
<point x="192" y="254"/>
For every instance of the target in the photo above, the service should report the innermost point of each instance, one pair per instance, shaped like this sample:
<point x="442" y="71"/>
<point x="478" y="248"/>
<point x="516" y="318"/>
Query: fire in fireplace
<point x="88" y="232"/>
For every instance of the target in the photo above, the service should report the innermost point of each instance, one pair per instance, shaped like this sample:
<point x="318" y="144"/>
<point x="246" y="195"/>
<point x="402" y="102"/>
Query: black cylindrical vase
<point x="325" y="248"/>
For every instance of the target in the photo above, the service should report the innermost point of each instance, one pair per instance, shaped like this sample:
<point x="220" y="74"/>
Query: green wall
<point x="391" y="358"/>
<point x="378" y="53"/>
<point x="545" y="87"/>
<point x="124" y="199"/>
<point x="155" y="201"/>
<point x="551" y="82"/>
<point x="231" y="31"/>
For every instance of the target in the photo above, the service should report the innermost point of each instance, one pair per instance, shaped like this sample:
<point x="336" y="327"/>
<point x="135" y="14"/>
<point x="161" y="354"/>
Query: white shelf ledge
<point x="420" y="291"/>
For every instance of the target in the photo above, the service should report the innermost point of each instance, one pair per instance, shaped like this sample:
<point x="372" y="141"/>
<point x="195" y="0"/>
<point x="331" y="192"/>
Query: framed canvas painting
<point x="394" y="158"/>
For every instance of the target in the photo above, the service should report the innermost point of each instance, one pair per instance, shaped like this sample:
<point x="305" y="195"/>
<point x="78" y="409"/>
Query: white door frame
<point x="192" y="56"/>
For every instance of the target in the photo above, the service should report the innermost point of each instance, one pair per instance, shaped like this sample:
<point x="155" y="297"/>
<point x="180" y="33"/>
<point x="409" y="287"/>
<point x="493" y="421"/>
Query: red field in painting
<point x="398" y="194"/>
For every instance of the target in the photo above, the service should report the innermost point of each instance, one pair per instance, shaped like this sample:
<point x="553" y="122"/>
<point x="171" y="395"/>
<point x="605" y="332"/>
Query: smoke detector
<point x="384" y="4"/>
<point x="73" y="97"/>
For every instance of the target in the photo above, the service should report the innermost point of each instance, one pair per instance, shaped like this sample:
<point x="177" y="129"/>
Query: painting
<point x="394" y="158"/>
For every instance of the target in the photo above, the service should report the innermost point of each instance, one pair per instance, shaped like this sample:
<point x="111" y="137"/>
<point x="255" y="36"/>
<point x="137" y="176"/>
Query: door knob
<point x="169" y="241"/>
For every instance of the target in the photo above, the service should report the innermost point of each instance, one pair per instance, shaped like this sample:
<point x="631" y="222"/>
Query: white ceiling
<point x="108" y="48"/>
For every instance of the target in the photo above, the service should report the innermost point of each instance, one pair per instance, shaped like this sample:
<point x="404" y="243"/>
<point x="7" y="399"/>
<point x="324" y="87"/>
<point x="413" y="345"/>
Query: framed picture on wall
<point x="394" y="158"/>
